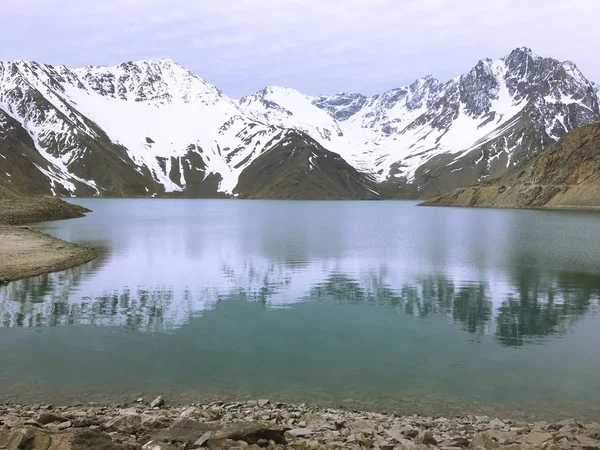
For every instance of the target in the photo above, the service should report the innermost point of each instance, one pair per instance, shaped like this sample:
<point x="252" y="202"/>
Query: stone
<point x="188" y="412"/>
<point x="316" y="422"/>
<point x="34" y="439"/>
<point x="587" y="442"/>
<point x="496" y="424"/>
<point x="299" y="432"/>
<point x="460" y="442"/>
<point x="64" y="425"/>
<point x="263" y="402"/>
<point x="549" y="446"/>
<point x="128" y="423"/>
<point x="45" y="418"/>
<point x="153" y="422"/>
<point x="202" y="440"/>
<point x="158" y="402"/>
<point x="184" y="431"/>
<point x="569" y="423"/>
<point x="502" y="437"/>
<point x="362" y="426"/>
<point x="535" y="438"/>
<point x="426" y="438"/>
<point x="250" y="432"/>
<point x="227" y="444"/>
<point x="482" y="441"/>
<point x="153" y="445"/>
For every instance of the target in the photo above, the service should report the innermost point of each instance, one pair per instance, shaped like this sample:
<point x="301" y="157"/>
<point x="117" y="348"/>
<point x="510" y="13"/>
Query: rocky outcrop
<point x="566" y="176"/>
<point x="261" y="424"/>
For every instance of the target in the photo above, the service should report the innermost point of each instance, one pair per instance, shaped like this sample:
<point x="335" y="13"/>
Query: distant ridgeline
<point x="152" y="128"/>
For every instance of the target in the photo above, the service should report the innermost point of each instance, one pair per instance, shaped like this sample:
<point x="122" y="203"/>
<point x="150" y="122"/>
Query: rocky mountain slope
<point x="441" y="135"/>
<point x="567" y="175"/>
<point x="16" y="208"/>
<point x="137" y="129"/>
<point x="299" y="168"/>
<point x="152" y="128"/>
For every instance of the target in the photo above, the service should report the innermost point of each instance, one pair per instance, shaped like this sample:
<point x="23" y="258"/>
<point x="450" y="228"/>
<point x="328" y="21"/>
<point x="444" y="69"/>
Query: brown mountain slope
<point x="567" y="175"/>
<point x="298" y="168"/>
<point x="16" y="208"/>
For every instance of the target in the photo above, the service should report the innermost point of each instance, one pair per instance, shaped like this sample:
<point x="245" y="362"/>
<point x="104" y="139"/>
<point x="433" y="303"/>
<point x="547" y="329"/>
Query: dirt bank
<point x="23" y="209"/>
<point x="25" y="252"/>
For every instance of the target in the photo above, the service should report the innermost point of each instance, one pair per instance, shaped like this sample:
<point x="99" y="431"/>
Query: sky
<point x="315" y="46"/>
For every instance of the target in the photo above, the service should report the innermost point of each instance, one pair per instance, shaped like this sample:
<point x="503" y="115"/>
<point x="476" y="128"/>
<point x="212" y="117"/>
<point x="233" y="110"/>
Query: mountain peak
<point x="523" y="51"/>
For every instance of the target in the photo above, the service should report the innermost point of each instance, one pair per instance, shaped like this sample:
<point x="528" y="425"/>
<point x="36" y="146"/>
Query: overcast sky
<point x="315" y="46"/>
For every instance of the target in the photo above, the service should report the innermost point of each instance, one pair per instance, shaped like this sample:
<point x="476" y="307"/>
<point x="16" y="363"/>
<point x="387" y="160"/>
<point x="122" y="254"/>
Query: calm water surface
<point x="374" y="305"/>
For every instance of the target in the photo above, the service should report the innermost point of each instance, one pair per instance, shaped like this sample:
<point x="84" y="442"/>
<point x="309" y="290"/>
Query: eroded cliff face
<point x="567" y="175"/>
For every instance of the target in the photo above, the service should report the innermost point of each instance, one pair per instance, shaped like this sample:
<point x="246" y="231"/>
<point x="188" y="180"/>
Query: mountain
<point x="567" y="175"/>
<point x="300" y="168"/>
<point x="437" y="135"/>
<point x="136" y="129"/>
<point x="152" y="128"/>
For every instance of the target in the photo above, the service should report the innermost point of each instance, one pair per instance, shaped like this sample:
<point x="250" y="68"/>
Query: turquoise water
<point x="372" y="305"/>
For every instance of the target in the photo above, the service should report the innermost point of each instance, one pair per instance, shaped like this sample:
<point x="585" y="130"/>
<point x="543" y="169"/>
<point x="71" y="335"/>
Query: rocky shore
<point x="262" y="424"/>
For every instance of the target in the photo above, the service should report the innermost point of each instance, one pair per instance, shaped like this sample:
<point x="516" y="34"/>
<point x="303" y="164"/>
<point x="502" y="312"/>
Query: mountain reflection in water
<point x="528" y="308"/>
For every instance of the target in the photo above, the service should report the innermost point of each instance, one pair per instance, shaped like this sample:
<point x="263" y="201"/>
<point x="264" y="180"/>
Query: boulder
<point x="157" y="402"/>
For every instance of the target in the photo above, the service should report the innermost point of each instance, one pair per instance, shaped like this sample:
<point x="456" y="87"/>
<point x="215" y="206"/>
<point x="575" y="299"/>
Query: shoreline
<point x="25" y="252"/>
<point x="156" y="425"/>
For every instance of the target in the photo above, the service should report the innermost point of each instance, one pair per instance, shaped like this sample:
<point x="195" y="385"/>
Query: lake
<point x="378" y="305"/>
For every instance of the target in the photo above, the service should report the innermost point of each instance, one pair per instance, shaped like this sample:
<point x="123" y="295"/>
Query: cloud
<point x="320" y="46"/>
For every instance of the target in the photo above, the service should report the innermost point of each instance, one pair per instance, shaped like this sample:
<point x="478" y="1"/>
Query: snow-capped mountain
<point x="442" y="135"/>
<point x="137" y="128"/>
<point x="152" y="127"/>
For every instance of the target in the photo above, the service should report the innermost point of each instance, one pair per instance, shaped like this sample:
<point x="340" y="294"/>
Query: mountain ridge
<point x="152" y="127"/>
<point x="565" y="176"/>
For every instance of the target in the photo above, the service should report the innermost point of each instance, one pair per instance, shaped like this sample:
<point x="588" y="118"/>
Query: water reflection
<point x="522" y="309"/>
